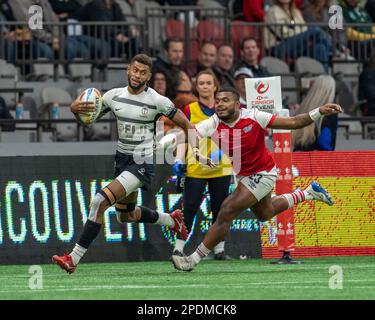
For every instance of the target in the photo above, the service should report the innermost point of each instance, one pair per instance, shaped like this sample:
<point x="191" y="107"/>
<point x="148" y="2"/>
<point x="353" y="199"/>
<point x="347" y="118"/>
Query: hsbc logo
<point x="262" y="87"/>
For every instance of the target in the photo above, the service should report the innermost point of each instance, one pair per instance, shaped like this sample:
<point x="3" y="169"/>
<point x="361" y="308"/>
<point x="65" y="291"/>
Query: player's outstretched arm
<point x="192" y="137"/>
<point x="303" y="120"/>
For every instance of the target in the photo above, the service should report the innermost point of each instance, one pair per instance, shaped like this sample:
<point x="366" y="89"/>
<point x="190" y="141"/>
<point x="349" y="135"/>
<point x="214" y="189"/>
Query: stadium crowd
<point x="287" y="38"/>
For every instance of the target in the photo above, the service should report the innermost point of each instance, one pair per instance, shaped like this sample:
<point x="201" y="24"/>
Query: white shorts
<point x="259" y="184"/>
<point x="129" y="181"/>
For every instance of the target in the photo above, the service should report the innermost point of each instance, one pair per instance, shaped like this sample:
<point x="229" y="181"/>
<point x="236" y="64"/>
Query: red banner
<point x="284" y="184"/>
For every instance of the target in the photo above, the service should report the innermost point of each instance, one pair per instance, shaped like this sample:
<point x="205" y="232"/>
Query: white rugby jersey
<point x="136" y="115"/>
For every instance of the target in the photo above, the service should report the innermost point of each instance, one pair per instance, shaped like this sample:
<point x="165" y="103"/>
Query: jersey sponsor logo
<point x="142" y="171"/>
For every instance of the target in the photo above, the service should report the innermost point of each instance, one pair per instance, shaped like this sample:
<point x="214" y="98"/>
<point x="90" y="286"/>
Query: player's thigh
<point x="126" y="184"/>
<point x="238" y="201"/>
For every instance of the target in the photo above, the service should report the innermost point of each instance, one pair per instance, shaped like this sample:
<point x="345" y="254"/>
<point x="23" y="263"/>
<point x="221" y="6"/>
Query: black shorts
<point x="144" y="172"/>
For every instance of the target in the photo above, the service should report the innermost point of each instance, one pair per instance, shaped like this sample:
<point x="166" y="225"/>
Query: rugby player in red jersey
<point x="241" y="133"/>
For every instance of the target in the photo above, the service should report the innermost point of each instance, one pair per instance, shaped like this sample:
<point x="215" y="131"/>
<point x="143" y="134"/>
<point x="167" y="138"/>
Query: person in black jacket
<point x="366" y="89"/>
<point x="5" y="114"/>
<point x="117" y="37"/>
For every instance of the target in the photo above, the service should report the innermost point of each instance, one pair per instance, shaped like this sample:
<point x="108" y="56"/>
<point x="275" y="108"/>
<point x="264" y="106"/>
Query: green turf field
<point x="238" y="279"/>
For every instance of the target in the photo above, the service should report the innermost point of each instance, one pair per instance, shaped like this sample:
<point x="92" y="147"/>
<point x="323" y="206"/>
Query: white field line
<point x="256" y="285"/>
<point x="262" y="269"/>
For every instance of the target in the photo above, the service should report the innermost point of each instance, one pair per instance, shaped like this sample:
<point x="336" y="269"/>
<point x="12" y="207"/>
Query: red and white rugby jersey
<point x="243" y="140"/>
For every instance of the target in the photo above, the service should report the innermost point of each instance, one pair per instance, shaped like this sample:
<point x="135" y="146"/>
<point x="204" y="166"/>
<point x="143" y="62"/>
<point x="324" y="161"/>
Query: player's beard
<point x="136" y="88"/>
<point x="229" y="115"/>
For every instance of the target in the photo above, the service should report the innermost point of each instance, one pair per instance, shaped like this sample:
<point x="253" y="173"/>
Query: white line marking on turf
<point x="256" y="285"/>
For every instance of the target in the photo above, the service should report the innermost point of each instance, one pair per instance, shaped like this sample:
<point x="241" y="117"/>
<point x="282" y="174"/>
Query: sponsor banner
<point x="264" y="93"/>
<point x="45" y="200"/>
<point x="344" y="229"/>
<point x="284" y="184"/>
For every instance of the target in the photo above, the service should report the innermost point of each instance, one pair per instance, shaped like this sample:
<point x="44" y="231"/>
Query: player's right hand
<point x="79" y="106"/>
<point x="179" y="168"/>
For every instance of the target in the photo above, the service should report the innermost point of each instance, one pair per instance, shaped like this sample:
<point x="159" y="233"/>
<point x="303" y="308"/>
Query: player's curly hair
<point x="142" y="58"/>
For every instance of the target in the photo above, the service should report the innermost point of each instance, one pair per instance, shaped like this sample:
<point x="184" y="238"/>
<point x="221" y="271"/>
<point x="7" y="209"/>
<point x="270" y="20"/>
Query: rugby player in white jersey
<point x="136" y="108"/>
<point x="242" y="131"/>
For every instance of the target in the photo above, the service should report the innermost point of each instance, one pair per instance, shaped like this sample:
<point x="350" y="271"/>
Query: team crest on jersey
<point x="144" y="112"/>
<point x="247" y="128"/>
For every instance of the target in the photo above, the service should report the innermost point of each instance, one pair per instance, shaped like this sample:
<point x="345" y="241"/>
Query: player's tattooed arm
<point x="303" y="120"/>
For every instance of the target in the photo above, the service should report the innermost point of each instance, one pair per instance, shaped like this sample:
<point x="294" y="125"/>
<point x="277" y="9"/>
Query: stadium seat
<point x="79" y="71"/>
<point x="347" y="71"/>
<point x="290" y="89"/>
<point x="275" y="65"/>
<point x="43" y="71"/>
<point x="174" y="29"/>
<point x="210" y="31"/>
<point x="98" y="131"/>
<point x="306" y="66"/>
<point x="7" y="70"/>
<point x="289" y="82"/>
<point x="63" y="131"/>
<point x="239" y="31"/>
<point x="9" y="97"/>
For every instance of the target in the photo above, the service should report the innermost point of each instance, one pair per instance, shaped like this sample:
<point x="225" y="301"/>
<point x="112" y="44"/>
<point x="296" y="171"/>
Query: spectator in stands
<point x="5" y="114"/>
<point x="249" y="58"/>
<point x="8" y="51"/>
<point x="253" y="10"/>
<point x="183" y="89"/>
<point x="177" y="2"/>
<point x="317" y="11"/>
<point x="239" y="76"/>
<point x="320" y="135"/>
<point x="287" y="36"/>
<point x="370" y="8"/>
<point x="224" y="65"/>
<point x="86" y="46"/>
<point x="130" y="11"/>
<point x="64" y="9"/>
<point x="47" y="41"/>
<point x="117" y="37"/>
<point x="361" y="38"/>
<point x="366" y="89"/>
<point x="206" y="59"/>
<point x="173" y="55"/>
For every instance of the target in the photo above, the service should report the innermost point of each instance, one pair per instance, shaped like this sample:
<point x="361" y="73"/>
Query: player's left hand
<point x="330" y="109"/>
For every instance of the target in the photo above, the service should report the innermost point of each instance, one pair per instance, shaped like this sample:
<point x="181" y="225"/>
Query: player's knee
<point x="125" y="213"/>
<point x="129" y="217"/>
<point x="98" y="205"/>
<point x="265" y="215"/>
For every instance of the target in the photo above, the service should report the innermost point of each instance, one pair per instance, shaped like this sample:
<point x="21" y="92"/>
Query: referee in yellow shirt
<point x="197" y="175"/>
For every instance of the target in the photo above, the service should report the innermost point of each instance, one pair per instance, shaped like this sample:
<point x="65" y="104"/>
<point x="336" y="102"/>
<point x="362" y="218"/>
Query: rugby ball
<point x="91" y="95"/>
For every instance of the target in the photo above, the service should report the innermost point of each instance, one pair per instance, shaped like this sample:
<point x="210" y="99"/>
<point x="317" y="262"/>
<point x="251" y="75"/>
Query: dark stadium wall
<point x="44" y="201"/>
